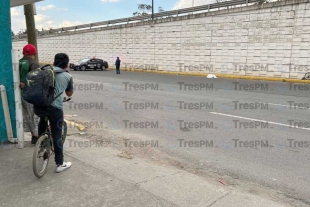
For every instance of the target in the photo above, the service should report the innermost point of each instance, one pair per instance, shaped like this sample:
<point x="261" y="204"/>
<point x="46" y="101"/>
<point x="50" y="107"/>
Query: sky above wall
<point x="64" y="13"/>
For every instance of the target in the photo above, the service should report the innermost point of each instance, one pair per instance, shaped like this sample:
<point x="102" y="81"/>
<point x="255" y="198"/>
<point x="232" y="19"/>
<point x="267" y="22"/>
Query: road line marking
<point x="258" y="120"/>
<point x="292" y="107"/>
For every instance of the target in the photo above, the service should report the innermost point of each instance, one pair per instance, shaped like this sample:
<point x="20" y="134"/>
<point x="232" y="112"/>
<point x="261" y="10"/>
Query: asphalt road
<point x="254" y="130"/>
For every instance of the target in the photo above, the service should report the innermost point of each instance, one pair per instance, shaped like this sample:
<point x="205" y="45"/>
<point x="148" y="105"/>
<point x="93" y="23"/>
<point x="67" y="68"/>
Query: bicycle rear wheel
<point x="41" y="155"/>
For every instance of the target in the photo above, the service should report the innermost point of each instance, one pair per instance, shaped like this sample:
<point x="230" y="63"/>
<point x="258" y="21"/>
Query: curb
<point x="289" y="80"/>
<point x="45" y="63"/>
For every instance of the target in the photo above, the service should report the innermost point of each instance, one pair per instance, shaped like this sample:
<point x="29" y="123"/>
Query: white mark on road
<point x="258" y="120"/>
<point x="283" y="105"/>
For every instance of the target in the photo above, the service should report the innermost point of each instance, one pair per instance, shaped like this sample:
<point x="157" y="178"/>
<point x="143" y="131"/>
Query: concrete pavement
<point x="98" y="177"/>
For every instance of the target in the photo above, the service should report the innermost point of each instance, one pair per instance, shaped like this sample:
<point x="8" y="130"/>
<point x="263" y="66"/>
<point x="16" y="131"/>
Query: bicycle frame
<point x="46" y="146"/>
<point x="47" y="132"/>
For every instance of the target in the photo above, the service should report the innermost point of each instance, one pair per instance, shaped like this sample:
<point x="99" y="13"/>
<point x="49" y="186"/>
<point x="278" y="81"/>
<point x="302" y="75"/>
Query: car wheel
<point x="83" y="68"/>
<point x="103" y="67"/>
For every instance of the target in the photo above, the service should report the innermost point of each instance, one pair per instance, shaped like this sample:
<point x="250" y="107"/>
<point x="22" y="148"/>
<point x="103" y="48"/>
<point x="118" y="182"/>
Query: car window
<point x="84" y="60"/>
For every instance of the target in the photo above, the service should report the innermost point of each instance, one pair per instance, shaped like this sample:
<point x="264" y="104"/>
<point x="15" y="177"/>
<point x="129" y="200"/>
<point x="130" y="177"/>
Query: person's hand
<point x="22" y="85"/>
<point x="65" y="99"/>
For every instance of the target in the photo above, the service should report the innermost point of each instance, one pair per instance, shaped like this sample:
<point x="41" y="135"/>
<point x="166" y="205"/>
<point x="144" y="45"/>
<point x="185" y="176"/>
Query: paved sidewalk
<point x="98" y="177"/>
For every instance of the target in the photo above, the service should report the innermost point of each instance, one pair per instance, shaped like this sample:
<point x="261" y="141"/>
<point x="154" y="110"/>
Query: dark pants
<point x="56" y="119"/>
<point x="118" y="71"/>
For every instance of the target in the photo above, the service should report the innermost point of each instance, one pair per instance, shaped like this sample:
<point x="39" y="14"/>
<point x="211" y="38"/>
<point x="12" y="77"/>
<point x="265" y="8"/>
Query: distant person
<point x="118" y="65"/>
<point x="26" y="64"/>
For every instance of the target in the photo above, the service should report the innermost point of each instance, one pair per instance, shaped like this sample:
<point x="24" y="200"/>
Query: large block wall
<point x="270" y="41"/>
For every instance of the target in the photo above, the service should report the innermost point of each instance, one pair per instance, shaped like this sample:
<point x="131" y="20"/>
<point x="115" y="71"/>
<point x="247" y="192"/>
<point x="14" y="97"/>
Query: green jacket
<point x="26" y="64"/>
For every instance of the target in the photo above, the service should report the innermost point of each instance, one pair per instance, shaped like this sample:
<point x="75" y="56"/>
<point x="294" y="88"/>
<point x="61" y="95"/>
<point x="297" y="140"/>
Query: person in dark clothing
<point x="118" y="65"/>
<point x="54" y="113"/>
<point x="26" y="64"/>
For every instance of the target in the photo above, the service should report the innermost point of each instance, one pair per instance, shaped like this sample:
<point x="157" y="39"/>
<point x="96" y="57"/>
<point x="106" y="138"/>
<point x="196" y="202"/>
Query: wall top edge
<point x="180" y="18"/>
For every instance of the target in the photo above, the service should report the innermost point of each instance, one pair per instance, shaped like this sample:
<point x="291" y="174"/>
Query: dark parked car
<point x="90" y="63"/>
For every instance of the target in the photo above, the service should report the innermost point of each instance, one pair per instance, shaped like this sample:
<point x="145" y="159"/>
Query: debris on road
<point x="125" y="154"/>
<point x="222" y="182"/>
<point x="72" y="115"/>
<point x="80" y="127"/>
<point x="211" y="76"/>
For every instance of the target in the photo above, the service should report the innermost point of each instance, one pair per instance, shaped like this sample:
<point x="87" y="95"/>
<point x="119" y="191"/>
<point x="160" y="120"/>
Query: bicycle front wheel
<point x="41" y="155"/>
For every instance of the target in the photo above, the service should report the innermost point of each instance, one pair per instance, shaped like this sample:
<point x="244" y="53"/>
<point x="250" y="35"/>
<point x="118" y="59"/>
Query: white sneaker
<point x="64" y="166"/>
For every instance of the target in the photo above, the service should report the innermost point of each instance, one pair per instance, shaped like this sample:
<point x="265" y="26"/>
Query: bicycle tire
<point x="37" y="172"/>
<point x="64" y="132"/>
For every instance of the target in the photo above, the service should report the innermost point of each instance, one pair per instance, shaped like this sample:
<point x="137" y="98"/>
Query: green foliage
<point x="144" y="10"/>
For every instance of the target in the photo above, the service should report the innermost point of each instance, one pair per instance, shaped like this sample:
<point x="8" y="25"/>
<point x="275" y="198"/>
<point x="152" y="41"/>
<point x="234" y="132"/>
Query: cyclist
<point x="63" y="83"/>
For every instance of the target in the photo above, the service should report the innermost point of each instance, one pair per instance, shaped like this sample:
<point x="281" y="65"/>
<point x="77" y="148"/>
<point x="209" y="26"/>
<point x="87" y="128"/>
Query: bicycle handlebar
<point x="66" y="99"/>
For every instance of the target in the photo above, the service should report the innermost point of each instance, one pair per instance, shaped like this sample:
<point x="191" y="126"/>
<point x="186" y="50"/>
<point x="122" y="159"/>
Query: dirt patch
<point x="128" y="147"/>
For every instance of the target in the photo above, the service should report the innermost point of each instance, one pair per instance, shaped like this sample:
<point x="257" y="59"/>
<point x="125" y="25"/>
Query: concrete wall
<point x="269" y="40"/>
<point x="6" y="72"/>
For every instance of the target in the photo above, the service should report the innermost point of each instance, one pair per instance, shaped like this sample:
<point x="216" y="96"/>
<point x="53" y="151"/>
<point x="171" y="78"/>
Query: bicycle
<point x="44" y="148"/>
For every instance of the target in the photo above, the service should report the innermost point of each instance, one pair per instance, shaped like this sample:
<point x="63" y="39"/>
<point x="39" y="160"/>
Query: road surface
<point x="254" y="131"/>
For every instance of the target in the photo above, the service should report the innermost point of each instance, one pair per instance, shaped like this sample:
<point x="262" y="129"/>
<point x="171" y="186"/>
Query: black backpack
<point x="39" y="88"/>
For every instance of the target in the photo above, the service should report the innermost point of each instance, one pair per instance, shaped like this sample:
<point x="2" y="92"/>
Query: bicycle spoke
<point x="41" y="156"/>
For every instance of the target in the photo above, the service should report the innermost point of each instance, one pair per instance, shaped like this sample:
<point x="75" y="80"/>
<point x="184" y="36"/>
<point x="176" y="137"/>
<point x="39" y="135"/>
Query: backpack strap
<point x="57" y="96"/>
<point x="47" y="67"/>
<point x="57" y="72"/>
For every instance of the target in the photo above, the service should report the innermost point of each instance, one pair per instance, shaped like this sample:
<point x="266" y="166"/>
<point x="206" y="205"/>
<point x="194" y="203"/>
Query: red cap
<point x="29" y="50"/>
